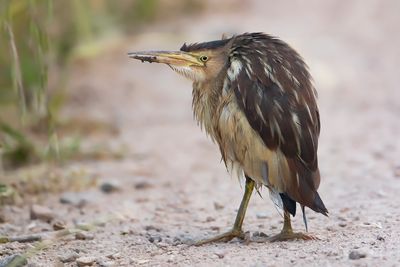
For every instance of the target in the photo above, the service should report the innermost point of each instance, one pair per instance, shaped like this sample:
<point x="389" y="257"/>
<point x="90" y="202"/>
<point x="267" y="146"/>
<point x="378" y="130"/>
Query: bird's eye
<point x="204" y="58"/>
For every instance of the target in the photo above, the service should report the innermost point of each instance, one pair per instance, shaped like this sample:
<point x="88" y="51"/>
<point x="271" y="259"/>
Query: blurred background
<point x="41" y="42"/>
<point x="75" y="110"/>
<point x="49" y="106"/>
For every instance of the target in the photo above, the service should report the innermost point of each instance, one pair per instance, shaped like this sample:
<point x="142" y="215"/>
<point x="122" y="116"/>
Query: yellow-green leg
<point x="237" y="227"/>
<point x="287" y="232"/>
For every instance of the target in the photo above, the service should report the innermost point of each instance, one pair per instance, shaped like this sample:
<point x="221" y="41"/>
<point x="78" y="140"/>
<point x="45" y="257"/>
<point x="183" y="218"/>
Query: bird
<point x="254" y="96"/>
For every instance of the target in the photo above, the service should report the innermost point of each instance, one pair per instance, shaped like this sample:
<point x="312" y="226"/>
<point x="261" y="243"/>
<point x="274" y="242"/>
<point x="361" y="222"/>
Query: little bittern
<point x="254" y="96"/>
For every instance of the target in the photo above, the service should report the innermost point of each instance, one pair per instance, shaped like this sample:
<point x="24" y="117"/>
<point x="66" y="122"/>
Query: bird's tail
<point x="318" y="205"/>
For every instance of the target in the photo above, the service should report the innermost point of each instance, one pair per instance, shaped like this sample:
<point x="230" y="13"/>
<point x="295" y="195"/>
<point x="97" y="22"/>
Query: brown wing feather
<point x="275" y="92"/>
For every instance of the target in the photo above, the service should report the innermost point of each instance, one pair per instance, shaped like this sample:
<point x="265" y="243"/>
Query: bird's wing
<point x="273" y="88"/>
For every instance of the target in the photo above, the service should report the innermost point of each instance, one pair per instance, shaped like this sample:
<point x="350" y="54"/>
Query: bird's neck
<point x="206" y="96"/>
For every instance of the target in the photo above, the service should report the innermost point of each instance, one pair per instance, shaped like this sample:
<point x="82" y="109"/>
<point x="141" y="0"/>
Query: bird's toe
<point x="285" y="236"/>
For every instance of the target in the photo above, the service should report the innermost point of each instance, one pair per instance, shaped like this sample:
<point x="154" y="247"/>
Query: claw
<point x="225" y="237"/>
<point x="287" y="236"/>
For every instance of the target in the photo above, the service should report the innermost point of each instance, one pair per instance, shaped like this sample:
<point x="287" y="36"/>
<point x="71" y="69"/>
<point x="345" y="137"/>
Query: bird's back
<point x="265" y="118"/>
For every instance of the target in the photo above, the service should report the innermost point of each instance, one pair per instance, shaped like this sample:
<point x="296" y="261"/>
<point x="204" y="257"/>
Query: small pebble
<point x="380" y="238"/>
<point x="396" y="171"/>
<point x="247" y="238"/>
<point x="68" y="257"/>
<point x="176" y="241"/>
<point x="85" y="261"/>
<point x="106" y="263"/>
<point x="151" y="227"/>
<point x="259" y="234"/>
<point x="41" y="213"/>
<point x="143" y="185"/>
<point x="218" y="206"/>
<point x="15" y="260"/>
<point x="80" y="250"/>
<point x="210" y="219"/>
<point x="220" y="254"/>
<point x="84" y="236"/>
<point x="356" y="255"/>
<point x="110" y="187"/>
<point x="342" y="224"/>
<point x="141" y="261"/>
<point x="156" y="239"/>
<point x="114" y="256"/>
<point x="84" y="226"/>
<point x="162" y="244"/>
<point x="183" y="240"/>
<point x="126" y="231"/>
<point x="74" y="199"/>
<point x="215" y="228"/>
<point x="59" y="225"/>
<point x="261" y="215"/>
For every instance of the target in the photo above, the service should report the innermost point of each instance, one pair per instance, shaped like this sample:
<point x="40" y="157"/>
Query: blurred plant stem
<point x="82" y="21"/>
<point x="24" y="25"/>
<point x="38" y="41"/>
<point x="17" y="80"/>
<point x="16" y="150"/>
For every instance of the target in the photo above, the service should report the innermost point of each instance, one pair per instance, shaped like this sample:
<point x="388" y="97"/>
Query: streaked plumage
<point x="264" y="116"/>
<point x="253" y="95"/>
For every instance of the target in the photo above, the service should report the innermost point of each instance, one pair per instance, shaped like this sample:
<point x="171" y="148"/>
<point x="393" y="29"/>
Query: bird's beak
<point x="174" y="58"/>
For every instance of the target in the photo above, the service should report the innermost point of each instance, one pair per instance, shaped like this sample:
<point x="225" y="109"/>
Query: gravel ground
<point x="171" y="187"/>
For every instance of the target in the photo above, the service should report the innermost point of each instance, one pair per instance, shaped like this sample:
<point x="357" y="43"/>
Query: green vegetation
<point x="38" y="38"/>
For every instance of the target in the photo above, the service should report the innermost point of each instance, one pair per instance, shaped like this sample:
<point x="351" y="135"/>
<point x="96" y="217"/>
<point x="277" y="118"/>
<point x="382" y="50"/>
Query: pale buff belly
<point x="243" y="148"/>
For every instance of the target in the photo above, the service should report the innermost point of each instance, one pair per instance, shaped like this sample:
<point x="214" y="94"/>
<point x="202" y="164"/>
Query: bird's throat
<point x="205" y="106"/>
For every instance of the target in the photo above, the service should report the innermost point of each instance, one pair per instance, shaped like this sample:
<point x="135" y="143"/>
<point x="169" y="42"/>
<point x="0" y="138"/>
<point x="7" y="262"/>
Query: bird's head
<point x="198" y="62"/>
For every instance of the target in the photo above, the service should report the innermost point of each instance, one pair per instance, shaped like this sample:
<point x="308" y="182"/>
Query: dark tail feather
<point x="288" y="203"/>
<point x="304" y="217"/>
<point x="318" y="205"/>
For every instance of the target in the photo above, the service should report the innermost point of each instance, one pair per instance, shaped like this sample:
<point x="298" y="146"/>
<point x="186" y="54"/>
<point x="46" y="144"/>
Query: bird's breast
<point x="242" y="147"/>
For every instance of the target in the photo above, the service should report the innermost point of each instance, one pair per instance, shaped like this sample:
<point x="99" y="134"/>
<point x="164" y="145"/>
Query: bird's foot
<point x="225" y="237"/>
<point x="289" y="235"/>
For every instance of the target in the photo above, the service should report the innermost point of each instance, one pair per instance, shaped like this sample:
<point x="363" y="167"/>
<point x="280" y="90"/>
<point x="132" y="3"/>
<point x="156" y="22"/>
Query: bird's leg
<point x="236" y="231"/>
<point x="287" y="232"/>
